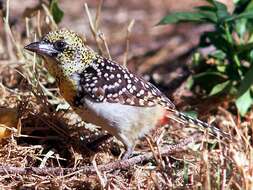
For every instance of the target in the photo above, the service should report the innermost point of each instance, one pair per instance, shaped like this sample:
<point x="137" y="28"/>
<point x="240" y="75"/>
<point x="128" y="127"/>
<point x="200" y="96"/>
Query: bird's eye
<point x="59" y="45"/>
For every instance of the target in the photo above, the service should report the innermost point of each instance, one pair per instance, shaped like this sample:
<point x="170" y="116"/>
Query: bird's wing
<point x="106" y="81"/>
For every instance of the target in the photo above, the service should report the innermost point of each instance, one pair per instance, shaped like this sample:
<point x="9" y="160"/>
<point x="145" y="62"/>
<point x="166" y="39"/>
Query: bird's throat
<point x="67" y="86"/>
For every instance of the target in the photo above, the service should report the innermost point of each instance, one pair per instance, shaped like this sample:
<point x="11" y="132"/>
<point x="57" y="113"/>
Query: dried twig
<point x="101" y="180"/>
<point x="98" y="14"/>
<point x="39" y="23"/>
<point x="94" y="29"/>
<point x="129" y="28"/>
<point x="102" y="37"/>
<point x="10" y="41"/>
<point x="53" y="25"/>
<point x="121" y="164"/>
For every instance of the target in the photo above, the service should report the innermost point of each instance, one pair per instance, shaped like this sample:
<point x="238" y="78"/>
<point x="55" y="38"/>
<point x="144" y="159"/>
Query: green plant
<point x="231" y="70"/>
<point x="56" y="11"/>
<point x="51" y="6"/>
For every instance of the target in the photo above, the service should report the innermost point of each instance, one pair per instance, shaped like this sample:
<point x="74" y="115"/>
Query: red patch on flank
<point x="163" y="121"/>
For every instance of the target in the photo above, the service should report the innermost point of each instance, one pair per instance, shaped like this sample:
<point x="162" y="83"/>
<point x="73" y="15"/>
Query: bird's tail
<point x="188" y="120"/>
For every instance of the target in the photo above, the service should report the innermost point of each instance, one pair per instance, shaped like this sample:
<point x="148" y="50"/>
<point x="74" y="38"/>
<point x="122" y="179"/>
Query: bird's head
<point x="63" y="50"/>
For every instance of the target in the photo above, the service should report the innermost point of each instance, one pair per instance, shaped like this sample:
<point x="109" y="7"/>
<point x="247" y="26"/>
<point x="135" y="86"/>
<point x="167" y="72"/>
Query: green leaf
<point x="222" y="11"/>
<point x="219" y="88"/>
<point x="251" y="56"/>
<point x="186" y="173"/>
<point x="246" y="14"/>
<point x="250" y="6"/>
<point x="210" y="1"/>
<point x="218" y="54"/>
<point x="208" y="79"/>
<point x="189" y="83"/>
<point x="244" y="48"/>
<point x="56" y="11"/>
<point x="205" y="8"/>
<point x="210" y="73"/>
<point x="236" y="1"/>
<point x="241" y="27"/>
<point x="244" y="102"/>
<point x="196" y="59"/>
<point x="215" y="38"/>
<point x="182" y="17"/>
<point x="221" y="68"/>
<point x="246" y="82"/>
<point x="209" y="12"/>
<point x="191" y="113"/>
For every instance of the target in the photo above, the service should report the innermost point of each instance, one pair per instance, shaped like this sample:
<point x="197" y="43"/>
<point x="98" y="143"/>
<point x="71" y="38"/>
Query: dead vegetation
<point x="47" y="146"/>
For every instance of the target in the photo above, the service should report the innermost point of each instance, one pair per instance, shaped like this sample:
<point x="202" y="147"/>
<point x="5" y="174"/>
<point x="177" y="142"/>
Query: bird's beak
<point x="42" y="48"/>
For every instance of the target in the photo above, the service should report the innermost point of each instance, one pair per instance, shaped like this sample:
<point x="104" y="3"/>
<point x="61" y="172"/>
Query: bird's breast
<point x="117" y="118"/>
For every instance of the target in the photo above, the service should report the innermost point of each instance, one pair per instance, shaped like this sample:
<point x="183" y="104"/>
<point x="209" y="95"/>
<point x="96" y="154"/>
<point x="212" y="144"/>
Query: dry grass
<point x="49" y="135"/>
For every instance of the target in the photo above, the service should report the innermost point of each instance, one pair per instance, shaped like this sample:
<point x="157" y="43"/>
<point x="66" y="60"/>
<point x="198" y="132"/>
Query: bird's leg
<point x="127" y="153"/>
<point x="128" y="144"/>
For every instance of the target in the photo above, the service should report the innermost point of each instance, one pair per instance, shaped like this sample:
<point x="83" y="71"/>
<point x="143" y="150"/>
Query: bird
<point x="104" y="92"/>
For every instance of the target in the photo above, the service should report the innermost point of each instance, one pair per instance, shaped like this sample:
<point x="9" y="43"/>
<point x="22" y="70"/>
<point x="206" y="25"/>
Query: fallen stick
<point x="120" y="164"/>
